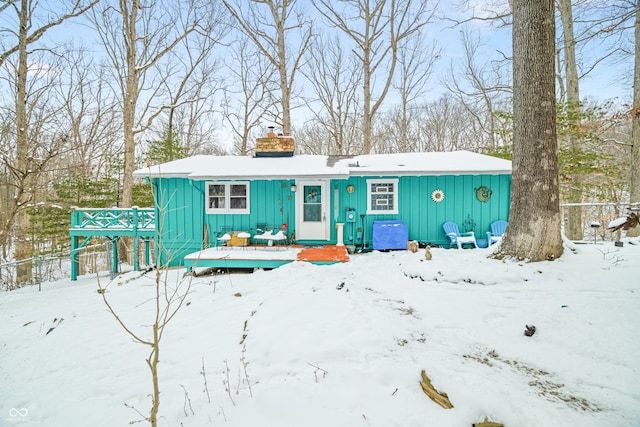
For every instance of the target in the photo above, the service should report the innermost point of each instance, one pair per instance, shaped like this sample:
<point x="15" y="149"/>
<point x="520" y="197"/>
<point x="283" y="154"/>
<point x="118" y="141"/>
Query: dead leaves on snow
<point x="540" y="380"/>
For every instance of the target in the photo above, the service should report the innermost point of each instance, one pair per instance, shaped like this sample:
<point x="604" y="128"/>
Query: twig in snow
<point x="204" y="376"/>
<point x="144" y="418"/>
<point x="187" y="400"/>
<point x="227" y="386"/>
<point x="245" y="363"/>
<point x="315" y="373"/>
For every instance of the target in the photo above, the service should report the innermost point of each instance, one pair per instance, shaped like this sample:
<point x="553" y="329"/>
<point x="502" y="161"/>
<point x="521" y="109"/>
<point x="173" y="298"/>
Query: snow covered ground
<point x="339" y="345"/>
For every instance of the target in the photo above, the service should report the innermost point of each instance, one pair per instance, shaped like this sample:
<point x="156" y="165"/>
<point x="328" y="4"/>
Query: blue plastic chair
<point x="497" y="230"/>
<point x="457" y="238"/>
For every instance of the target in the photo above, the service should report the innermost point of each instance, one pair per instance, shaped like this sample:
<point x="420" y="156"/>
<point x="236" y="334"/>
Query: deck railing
<point x="120" y="218"/>
<point x="112" y="223"/>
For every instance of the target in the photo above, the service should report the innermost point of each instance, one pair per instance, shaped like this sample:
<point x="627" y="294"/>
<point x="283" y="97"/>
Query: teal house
<point x="323" y="200"/>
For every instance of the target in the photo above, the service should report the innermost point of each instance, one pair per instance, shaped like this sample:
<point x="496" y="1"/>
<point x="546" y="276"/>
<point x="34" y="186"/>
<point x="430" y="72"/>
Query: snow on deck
<point x="246" y="253"/>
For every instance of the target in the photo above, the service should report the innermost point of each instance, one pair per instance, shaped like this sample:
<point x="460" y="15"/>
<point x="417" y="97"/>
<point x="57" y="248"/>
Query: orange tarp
<point x="324" y="253"/>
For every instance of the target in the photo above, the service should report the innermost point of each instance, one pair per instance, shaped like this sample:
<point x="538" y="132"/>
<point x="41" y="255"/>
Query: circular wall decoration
<point x="437" y="196"/>
<point x="483" y="193"/>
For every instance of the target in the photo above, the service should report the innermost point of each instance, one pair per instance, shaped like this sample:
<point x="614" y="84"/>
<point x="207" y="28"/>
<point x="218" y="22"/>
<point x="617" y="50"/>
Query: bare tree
<point x="334" y="103"/>
<point x="534" y="220"/>
<point x="573" y="228"/>
<point x="480" y="88"/>
<point x="398" y="130"/>
<point x="167" y="300"/>
<point x="192" y="82"/>
<point x="136" y="37"/>
<point x="634" y="183"/>
<point x="377" y="29"/>
<point x="591" y="27"/>
<point x="251" y="101"/>
<point x="610" y="25"/>
<point x="312" y="138"/>
<point x="268" y="23"/>
<point x="444" y="125"/>
<point x="90" y="114"/>
<point x="32" y="21"/>
<point x="416" y="60"/>
<point x="495" y="12"/>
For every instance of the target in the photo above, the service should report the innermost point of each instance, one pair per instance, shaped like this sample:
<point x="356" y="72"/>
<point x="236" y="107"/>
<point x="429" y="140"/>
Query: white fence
<point x="48" y="268"/>
<point x="597" y="216"/>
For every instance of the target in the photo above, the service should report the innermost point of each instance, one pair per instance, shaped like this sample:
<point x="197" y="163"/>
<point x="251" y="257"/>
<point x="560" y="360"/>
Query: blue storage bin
<point x="391" y="234"/>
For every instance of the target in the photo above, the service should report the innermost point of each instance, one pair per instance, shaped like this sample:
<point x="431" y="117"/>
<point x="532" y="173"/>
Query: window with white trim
<point x="227" y="197"/>
<point x="382" y="196"/>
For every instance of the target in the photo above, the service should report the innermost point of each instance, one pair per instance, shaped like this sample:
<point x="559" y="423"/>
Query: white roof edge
<point x="265" y="177"/>
<point x="143" y="173"/>
<point x="433" y="173"/>
<point x="205" y="167"/>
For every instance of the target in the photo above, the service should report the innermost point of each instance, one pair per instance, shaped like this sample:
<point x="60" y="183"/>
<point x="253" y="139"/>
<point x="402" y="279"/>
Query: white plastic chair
<point x="224" y="239"/>
<point x="456" y="237"/>
<point x="270" y="237"/>
<point x="497" y="230"/>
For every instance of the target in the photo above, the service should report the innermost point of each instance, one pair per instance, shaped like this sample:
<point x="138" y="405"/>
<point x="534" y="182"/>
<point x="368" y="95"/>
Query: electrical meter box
<point x="351" y="215"/>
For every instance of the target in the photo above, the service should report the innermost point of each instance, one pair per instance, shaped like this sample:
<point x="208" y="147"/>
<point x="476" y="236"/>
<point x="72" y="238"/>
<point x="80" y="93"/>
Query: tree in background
<point x="634" y="181"/>
<point x="377" y="30"/>
<point x="166" y="149"/>
<point x="482" y="89"/>
<point x="274" y="26"/>
<point x="191" y="84"/>
<point x="250" y="97"/>
<point x="416" y="60"/>
<point x="334" y="103"/>
<point x="31" y="154"/>
<point x="534" y="221"/>
<point x="136" y="38"/>
<point x="570" y="140"/>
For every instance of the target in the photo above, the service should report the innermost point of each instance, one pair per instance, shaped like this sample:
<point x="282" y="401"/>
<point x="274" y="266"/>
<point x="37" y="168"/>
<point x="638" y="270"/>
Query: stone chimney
<point x="275" y="145"/>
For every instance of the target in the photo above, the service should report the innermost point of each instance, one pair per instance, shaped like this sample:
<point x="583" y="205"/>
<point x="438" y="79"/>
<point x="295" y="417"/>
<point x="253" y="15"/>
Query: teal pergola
<point x="114" y="223"/>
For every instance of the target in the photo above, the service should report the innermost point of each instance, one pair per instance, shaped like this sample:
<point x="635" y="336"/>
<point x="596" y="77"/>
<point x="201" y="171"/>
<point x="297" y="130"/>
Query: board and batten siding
<point x="182" y="214"/>
<point x="179" y="213"/>
<point x="423" y="216"/>
<point x="181" y="209"/>
<point x="271" y="204"/>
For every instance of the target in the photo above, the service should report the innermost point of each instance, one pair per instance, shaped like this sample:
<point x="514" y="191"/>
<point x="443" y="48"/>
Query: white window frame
<point x="227" y="198"/>
<point x="370" y="208"/>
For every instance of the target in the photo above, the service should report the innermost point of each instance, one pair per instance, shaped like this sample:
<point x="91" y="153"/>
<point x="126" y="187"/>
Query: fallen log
<point x="440" y="398"/>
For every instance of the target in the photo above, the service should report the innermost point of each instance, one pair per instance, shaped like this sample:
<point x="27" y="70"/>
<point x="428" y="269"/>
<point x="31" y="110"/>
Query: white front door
<point x="312" y="210"/>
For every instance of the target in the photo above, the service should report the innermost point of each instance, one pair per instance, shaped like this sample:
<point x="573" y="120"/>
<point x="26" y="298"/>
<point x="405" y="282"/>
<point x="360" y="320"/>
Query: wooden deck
<point x="264" y="256"/>
<point x="112" y="224"/>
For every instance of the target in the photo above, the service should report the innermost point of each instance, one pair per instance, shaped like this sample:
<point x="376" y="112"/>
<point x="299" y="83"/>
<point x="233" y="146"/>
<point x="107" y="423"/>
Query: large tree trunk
<point x="573" y="228"/>
<point x="285" y="88"/>
<point x="634" y="184"/>
<point x="22" y="244"/>
<point x="534" y="220"/>
<point x="130" y="98"/>
<point x="367" y="116"/>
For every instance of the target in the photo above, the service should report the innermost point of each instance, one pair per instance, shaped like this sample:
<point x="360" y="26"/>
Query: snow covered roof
<point x="244" y="167"/>
<point x="315" y="166"/>
<point x="433" y="163"/>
